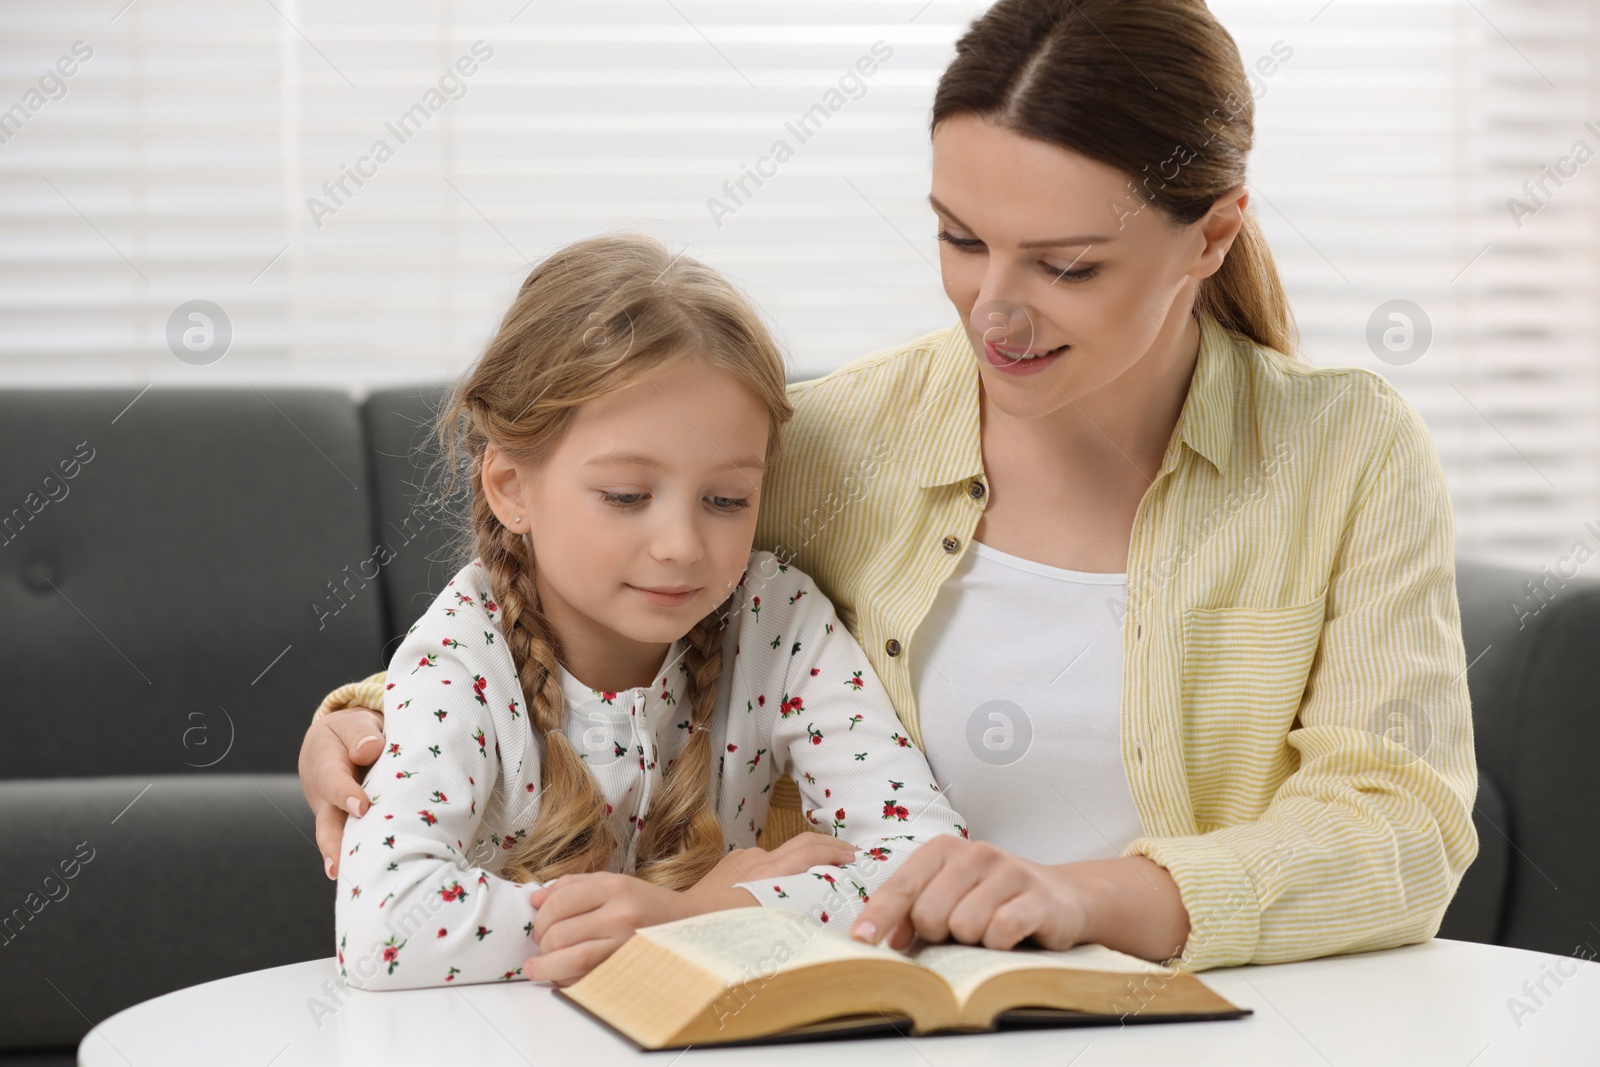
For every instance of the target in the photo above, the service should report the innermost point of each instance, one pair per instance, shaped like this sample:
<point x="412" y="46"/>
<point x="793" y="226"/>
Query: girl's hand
<point x="583" y="918"/>
<point x="978" y="894"/>
<point x="795" y="856"/>
<point x="338" y="747"/>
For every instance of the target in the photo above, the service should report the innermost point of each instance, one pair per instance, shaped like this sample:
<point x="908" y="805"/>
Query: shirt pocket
<point x="1244" y="676"/>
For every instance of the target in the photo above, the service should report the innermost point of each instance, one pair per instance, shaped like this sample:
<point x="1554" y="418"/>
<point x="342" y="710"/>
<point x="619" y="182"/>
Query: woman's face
<point x="1044" y="250"/>
<point x="652" y="487"/>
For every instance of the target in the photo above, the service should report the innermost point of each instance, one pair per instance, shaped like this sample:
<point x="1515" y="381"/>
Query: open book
<point x="768" y="974"/>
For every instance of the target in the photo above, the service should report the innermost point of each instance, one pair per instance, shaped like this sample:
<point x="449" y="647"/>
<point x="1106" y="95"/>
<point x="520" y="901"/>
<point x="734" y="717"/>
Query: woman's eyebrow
<point x="1058" y="242"/>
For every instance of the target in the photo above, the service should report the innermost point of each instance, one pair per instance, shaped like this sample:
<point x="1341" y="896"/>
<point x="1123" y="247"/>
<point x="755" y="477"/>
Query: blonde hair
<point x="595" y="317"/>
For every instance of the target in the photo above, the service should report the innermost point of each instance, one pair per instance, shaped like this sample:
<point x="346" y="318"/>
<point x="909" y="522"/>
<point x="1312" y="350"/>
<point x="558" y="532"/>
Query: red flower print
<point x="391" y="953"/>
<point x="732" y="747"/>
<point x="839" y="814"/>
<point x="824" y="916"/>
<point x="891" y="810"/>
<point x="428" y="817"/>
<point x="901" y="740"/>
<point x="394" y="749"/>
<point x="791" y="706"/>
<point x="441" y="931"/>
<point x="816" y="734"/>
<point x="815" y="671"/>
<point x="479" y="682"/>
<point x="854" y="681"/>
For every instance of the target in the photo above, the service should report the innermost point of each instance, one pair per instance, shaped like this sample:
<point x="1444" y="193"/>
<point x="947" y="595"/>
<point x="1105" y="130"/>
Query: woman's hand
<point x="795" y="856"/>
<point x="335" y="749"/>
<point x="976" y="893"/>
<point x="584" y="918"/>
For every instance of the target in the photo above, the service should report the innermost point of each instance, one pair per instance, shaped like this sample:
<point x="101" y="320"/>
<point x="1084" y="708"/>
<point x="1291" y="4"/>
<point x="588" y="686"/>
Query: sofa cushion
<point x="416" y="532"/>
<point x="1535" y="681"/>
<point x="173" y="575"/>
<point x="121" y="889"/>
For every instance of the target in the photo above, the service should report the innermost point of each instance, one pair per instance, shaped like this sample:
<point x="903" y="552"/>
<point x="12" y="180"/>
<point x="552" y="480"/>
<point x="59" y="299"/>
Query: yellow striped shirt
<point x="1295" y="721"/>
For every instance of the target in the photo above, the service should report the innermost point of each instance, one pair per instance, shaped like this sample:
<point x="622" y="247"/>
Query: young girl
<point x="584" y="728"/>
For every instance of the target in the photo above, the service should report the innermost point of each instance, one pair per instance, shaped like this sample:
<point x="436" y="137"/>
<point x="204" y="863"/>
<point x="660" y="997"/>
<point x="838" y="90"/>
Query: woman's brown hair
<point x="594" y="317"/>
<point x="1147" y="87"/>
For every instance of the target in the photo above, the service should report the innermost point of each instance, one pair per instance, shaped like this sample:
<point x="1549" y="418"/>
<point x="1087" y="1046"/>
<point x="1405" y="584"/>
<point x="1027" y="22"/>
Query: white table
<point x="1443" y="1002"/>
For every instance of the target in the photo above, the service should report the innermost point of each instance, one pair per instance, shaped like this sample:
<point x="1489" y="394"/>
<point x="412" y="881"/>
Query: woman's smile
<point x="1012" y="361"/>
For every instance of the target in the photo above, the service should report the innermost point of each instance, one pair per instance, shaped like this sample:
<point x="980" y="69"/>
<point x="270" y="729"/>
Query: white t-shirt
<point x="1017" y="674"/>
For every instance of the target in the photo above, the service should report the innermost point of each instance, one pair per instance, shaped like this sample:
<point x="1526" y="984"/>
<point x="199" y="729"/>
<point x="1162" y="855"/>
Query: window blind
<point x="347" y="193"/>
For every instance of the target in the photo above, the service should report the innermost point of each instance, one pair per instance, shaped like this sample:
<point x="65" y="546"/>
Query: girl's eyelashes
<point x="631" y="500"/>
<point x="972" y="244"/>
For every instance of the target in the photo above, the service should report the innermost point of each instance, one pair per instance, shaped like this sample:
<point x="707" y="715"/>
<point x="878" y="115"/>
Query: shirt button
<point x="892" y="647"/>
<point x="951" y="543"/>
<point x="976" y="490"/>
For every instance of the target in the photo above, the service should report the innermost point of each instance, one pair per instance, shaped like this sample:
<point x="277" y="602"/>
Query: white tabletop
<point x="1444" y="1002"/>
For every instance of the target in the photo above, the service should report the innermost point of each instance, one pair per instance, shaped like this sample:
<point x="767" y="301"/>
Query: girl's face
<point x="1045" y="250"/>
<point x="652" y="489"/>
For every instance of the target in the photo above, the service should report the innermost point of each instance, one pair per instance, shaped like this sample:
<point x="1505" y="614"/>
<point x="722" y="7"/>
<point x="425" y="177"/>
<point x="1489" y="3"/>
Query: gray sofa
<point x="183" y="577"/>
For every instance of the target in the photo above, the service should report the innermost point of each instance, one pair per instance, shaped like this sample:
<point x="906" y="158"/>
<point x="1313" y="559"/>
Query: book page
<point x="966" y="967"/>
<point x="740" y="943"/>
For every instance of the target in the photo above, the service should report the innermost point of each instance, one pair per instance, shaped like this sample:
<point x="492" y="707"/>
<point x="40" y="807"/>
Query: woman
<point x="1152" y="595"/>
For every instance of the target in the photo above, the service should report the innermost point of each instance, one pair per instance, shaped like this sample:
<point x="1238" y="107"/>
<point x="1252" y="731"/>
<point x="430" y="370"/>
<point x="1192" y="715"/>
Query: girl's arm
<point x="417" y="902"/>
<point x="834" y="729"/>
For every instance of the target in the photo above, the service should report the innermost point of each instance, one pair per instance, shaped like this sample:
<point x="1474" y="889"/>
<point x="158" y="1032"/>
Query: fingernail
<point x="353" y="806"/>
<point x="865" y="931"/>
<point x="369" y="737"/>
<point x="327" y="866"/>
